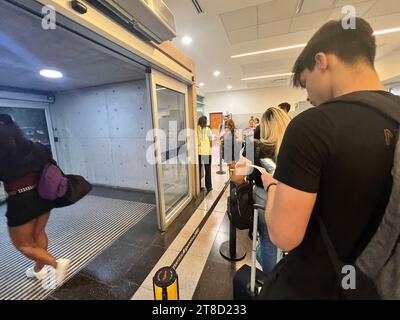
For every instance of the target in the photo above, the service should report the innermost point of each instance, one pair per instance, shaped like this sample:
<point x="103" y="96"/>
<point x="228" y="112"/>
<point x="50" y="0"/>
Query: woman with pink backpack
<point x="21" y="165"/>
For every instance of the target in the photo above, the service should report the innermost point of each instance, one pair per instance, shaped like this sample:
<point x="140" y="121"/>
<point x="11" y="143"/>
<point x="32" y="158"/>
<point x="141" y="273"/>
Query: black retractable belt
<point x="165" y="281"/>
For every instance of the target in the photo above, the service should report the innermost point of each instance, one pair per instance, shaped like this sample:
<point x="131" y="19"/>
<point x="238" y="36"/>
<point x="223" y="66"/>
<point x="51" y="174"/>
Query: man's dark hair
<point x="349" y="45"/>
<point x="285" y="106"/>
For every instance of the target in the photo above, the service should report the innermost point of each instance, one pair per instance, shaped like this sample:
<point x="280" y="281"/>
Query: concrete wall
<point x="102" y="134"/>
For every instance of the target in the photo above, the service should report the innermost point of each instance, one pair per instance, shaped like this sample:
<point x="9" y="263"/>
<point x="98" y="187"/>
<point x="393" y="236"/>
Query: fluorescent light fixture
<point x="385" y="31"/>
<point x="217" y="73"/>
<point x="187" y="40"/>
<point x="269" y="76"/>
<point x="229" y="87"/>
<point x="52" y="74"/>
<point x="269" y="51"/>
<point x="160" y="89"/>
<point x="201" y="84"/>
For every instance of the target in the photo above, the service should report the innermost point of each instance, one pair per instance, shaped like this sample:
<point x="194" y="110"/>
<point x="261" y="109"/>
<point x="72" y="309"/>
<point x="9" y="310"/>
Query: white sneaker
<point x="42" y="274"/>
<point x="62" y="270"/>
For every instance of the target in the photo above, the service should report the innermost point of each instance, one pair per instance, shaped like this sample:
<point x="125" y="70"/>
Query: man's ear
<point x="321" y="61"/>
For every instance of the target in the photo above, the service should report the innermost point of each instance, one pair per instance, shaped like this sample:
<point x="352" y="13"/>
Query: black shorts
<point x="25" y="207"/>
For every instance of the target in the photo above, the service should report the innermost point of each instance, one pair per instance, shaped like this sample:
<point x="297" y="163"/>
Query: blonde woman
<point x="272" y="129"/>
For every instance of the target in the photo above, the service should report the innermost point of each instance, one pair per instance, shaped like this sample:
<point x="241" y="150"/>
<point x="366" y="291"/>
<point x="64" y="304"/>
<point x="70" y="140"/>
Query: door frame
<point x="155" y="78"/>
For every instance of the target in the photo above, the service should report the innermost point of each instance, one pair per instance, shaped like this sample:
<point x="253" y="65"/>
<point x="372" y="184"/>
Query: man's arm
<point x="287" y="214"/>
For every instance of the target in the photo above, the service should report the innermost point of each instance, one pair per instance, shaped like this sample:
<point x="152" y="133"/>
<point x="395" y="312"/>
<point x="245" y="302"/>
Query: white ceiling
<point x="25" y="49"/>
<point x="229" y="27"/>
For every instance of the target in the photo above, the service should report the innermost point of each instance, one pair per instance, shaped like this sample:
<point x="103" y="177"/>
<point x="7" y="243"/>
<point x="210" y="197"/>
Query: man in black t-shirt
<point x="335" y="161"/>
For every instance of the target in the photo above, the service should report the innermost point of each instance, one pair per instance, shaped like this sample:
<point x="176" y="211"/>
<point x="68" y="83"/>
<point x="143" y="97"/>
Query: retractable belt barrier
<point x="165" y="281"/>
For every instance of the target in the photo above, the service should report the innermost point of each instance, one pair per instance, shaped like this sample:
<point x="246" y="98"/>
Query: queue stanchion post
<point x="221" y="171"/>
<point x="231" y="250"/>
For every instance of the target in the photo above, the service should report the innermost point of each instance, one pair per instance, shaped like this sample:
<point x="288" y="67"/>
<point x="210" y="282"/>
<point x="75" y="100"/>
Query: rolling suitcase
<point x="248" y="280"/>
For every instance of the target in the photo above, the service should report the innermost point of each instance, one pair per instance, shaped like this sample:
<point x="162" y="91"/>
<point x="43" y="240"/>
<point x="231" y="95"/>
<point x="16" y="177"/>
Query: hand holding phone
<point x="268" y="164"/>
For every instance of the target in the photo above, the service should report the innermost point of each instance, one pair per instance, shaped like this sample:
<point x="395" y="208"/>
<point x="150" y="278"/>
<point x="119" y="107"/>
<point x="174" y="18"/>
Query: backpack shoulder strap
<point x="380" y="101"/>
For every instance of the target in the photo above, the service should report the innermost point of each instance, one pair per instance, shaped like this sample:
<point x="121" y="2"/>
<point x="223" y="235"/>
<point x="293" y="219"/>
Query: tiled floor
<point x="117" y="273"/>
<point x="121" y="194"/>
<point x="126" y="268"/>
<point x="193" y="265"/>
<point x="216" y="281"/>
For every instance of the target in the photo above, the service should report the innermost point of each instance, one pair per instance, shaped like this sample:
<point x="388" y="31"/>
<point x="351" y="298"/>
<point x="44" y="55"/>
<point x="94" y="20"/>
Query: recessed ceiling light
<point x="269" y="76"/>
<point x="187" y="40"/>
<point x="217" y="73"/>
<point x="52" y="74"/>
<point x="201" y="84"/>
<point x="229" y="87"/>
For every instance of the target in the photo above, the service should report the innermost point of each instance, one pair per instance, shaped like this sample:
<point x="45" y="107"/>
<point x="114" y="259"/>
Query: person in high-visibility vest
<point x="205" y="152"/>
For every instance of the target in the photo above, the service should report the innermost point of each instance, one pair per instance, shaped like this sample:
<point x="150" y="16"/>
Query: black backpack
<point x="378" y="266"/>
<point x="240" y="205"/>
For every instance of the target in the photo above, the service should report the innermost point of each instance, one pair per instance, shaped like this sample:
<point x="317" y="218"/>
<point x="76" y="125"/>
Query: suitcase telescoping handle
<point x="258" y="207"/>
<point x="254" y="249"/>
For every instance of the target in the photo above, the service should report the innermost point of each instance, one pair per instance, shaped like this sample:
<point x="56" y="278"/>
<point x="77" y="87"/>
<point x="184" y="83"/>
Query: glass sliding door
<point x="172" y="146"/>
<point x="33" y="119"/>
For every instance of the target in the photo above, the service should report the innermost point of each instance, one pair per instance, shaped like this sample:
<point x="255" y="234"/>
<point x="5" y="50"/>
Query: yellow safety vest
<point x="204" y="141"/>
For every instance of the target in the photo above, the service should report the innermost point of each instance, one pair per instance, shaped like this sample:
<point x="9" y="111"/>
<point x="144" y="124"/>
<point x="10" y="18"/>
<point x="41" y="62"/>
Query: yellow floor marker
<point x="165" y="284"/>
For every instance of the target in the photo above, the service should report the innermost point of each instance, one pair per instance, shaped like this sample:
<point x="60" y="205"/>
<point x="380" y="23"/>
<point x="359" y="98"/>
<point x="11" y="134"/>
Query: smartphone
<point x="268" y="164"/>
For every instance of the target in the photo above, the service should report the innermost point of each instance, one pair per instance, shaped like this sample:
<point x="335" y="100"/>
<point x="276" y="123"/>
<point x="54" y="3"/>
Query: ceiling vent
<point x="152" y="19"/>
<point x="197" y="6"/>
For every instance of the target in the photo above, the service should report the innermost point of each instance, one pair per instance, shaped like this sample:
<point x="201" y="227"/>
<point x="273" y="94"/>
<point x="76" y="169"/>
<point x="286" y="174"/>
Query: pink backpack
<point x="53" y="184"/>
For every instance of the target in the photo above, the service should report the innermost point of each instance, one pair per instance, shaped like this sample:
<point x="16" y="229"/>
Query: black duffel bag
<point x="78" y="187"/>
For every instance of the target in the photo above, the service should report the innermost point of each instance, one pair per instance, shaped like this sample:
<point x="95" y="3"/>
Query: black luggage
<point x="241" y="283"/>
<point x="248" y="280"/>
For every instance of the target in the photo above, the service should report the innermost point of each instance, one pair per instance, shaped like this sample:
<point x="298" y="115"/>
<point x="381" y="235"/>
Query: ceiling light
<point x="201" y="84"/>
<point x="217" y="73"/>
<point x="187" y="40"/>
<point x="229" y="87"/>
<point x="385" y="31"/>
<point x="268" y="51"/>
<point x="52" y="74"/>
<point x="269" y="76"/>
